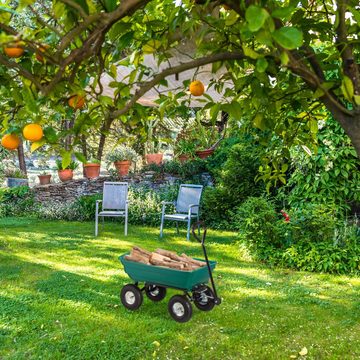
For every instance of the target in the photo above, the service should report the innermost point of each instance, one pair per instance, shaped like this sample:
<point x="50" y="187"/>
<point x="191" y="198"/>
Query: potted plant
<point x="151" y="156"/>
<point x="44" y="178"/>
<point x="206" y="139"/>
<point x="122" y="156"/>
<point x="92" y="168"/>
<point x="66" y="174"/>
<point x="15" y="177"/>
<point x="185" y="149"/>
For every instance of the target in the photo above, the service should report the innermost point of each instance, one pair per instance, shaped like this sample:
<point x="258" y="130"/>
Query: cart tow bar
<point x="198" y="224"/>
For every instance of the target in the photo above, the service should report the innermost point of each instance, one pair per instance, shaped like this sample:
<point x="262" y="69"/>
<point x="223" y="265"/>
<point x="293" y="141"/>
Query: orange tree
<point x="294" y="58"/>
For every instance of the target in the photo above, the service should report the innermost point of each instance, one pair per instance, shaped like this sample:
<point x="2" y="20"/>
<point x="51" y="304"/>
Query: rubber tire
<point x="137" y="294"/>
<point x="180" y="299"/>
<point x="158" y="297"/>
<point x="201" y="305"/>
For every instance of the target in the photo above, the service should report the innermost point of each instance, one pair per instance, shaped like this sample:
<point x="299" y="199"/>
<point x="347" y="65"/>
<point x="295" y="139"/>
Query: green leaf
<point x="313" y="125"/>
<point x="125" y="40"/>
<point x="66" y="158"/>
<point x="288" y="37"/>
<point x="261" y="64"/>
<point x="256" y="17"/>
<point x="284" y="58"/>
<point x="250" y="53"/>
<point x="50" y="135"/>
<point x="37" y="144"/>
<point x="232" y="18"/>
<point x="347" y="88"/>
<point x="259" y="122"/>
<point x="110" y="5"/>
<point x="357" y="99"/>
<point x="283" y="12"/>
<point x="80" y="157"/>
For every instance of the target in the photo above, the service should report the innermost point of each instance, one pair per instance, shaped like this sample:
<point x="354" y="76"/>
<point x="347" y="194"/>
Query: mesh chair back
<point x="188" y="194"/>
<point x="114" y="195"/>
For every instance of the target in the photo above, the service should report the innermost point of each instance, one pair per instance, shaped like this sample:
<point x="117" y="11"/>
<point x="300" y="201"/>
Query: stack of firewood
<point x="164" y="258"/>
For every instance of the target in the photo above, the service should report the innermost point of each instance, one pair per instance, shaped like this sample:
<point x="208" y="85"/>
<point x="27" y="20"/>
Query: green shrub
<point x="260" y="225"/>
<point x="313" y="223"/>
<point x="17" y="201"/>
<point x="313" y="239"/>
<point x="331" y="176"/>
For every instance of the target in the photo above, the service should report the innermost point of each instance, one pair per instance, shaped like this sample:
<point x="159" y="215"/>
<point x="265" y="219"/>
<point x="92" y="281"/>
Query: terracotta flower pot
<point x="44" y="179"/>
<point x="183" y="157"/>
<point x="122" y="167"/>
<point x="203" y="154"/>
<point x="91" y="170"/>
<point x="154" y="158"/>
<point x="65" y="175"/>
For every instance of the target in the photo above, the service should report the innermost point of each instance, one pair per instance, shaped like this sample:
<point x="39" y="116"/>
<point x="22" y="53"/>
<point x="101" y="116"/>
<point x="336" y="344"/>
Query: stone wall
<point x="70" y="190"/>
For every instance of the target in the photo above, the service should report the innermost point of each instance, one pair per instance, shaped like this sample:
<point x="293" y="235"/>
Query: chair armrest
<point x="191" y="206"/>
<point x="164" y="203"/>
<point x="97" y="205"/>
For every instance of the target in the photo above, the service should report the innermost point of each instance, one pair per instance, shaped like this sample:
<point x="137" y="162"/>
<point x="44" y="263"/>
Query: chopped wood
<point x="164" y="258"/>
<point x="193" y="261"/>
<point x="143" y="251"/>
<point x="137" y="259"/>
<point x="171" y="254"/>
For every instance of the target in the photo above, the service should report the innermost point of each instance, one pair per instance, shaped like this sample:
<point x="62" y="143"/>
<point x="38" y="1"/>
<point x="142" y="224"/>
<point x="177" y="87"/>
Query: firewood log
<point x="172" y="265"/>
<point x="140" y="259"/>
<point x="171" y="254"/>
<point x="193" y="261"/>
<point x="143" y="251"/>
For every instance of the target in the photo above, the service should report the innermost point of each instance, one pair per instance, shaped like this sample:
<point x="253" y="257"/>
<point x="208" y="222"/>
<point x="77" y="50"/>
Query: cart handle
<point x="198" y="225"/>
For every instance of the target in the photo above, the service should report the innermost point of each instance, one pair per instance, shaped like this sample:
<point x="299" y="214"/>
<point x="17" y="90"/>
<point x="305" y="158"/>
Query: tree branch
<point x="12" y="64"/>
<point x="349" y="64"/>
<point x="146" y="86"/>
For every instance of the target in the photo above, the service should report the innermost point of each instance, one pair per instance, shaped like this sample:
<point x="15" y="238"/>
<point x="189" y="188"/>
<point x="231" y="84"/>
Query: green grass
<point x="59" y="299"/>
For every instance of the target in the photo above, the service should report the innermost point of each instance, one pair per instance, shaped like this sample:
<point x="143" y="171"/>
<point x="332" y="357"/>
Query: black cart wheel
<point x="204" y="299"/>
<point x="131" y="297"/>
<point x="154" y="292"/>
<point x="180" y="308"/>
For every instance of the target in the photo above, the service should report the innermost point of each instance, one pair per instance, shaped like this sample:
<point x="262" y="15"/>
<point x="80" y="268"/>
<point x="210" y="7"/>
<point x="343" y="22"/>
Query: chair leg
<point x="126" y="224"/>
<point x="162" y="225"/>
<point x="96" y="224"/>
<point x="198" y="225"/>
<point x="188" y="229"/>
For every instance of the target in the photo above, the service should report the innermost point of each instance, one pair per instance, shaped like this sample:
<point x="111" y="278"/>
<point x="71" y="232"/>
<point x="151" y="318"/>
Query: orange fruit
<point x="76" y="101"/>
<point x="10" y="141"/>
<point x="42" y="48"/>
<point x="14" y="50"/>
<point x="33" y="132"/>
<point x="197" y="88"/>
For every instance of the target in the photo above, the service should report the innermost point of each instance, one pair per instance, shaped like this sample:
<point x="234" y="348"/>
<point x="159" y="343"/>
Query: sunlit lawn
<point x="59" y="300"/>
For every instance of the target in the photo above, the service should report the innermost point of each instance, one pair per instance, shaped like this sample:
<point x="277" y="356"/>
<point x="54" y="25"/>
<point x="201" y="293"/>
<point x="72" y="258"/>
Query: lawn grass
<point x="59" y="289"/>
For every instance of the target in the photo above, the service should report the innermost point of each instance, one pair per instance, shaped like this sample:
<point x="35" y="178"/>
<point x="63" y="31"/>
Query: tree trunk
<point x="104" y="132"/>
<point x="21" y="157"/>
<point x="350" y="124"/>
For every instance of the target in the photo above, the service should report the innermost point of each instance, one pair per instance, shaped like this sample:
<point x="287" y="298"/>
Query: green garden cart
<point x="157" y="279"/>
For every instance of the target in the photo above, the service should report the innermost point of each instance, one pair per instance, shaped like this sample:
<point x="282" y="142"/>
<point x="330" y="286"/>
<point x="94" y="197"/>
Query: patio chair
<point x="114" y="203"/>
<point x="187" y="207"/>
